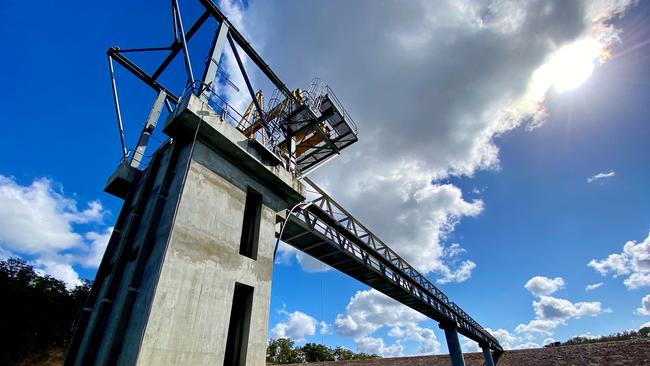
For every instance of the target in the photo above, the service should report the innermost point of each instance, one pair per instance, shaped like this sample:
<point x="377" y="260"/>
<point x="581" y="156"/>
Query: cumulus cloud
<point x="509" y="340"/>
<point x="376" y="346"/>
<point x="593" y="286"/>
<point x="324" y="328"/>
<point x="40" y="221"/>
<point x="645" y="306"/>
<point x="633" y="262"/>
<point x="538" y="326"/>
<point x="601" y="176"/>
<point x="425" y="337"/>
<point x="286" y="255"/>
<point x="551" y="308"/>
<point x="431" y="86"/>
<point x="551" y="312"/>
<point x="297" y="327"/>
<point x="540" y="285"/>
<point x="368" y="311"/>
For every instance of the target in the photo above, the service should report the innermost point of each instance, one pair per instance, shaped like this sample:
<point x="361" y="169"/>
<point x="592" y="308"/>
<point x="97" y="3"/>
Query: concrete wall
<point x="189" y="317"/>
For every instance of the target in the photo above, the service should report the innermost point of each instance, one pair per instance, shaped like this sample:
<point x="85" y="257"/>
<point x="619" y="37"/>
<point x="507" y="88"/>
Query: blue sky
<point x="516" y="199"/>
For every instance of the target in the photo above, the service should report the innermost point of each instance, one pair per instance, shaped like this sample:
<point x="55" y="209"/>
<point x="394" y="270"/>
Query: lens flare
<point x="570" y="66"/>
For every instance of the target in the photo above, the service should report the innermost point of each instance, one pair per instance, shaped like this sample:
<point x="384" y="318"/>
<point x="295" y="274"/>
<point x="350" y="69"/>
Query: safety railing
<point x="332" y="221"/>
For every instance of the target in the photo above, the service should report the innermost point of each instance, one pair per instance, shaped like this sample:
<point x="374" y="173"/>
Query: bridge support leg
<point x="487" y="355"/>
<point x="455" y="352"/>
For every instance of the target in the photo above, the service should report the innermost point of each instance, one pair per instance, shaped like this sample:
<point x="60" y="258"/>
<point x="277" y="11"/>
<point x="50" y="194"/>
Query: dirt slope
<point x="634" y="352"/>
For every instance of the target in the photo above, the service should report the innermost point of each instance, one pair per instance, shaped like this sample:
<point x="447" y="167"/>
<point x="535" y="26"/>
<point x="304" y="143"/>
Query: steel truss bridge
<point x="326" y="231"/>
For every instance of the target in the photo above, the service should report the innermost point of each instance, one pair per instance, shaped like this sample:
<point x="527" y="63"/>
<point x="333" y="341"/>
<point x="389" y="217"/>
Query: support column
<point x="455" y="352"/>
<point x="487" y="355"/>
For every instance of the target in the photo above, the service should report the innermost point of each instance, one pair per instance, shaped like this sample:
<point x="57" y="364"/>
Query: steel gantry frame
<point x="225" y="33"/>
<point x="321" y="228"/>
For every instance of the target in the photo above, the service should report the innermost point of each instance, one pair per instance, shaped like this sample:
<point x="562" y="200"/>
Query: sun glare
<point x="570" y="66"/>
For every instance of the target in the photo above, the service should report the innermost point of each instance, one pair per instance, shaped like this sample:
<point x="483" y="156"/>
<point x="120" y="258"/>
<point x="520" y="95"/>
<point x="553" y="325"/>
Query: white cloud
<point x="376" y="346"/>
<point x="527" y="345"/>
<point x="324" y="328"/>
<point x="40" y="221"/>
<point x="507" y="339"/>
<point x="538" y="326"/>
<point x="368" y="311"/>
<point x="593" y="286"/>
<point x="601" y="176"/>
<point x="548" y="341"/>
<point x="425" y="337"/>
<point x="540" y="285"/>
<point x="469" y="346"/>
<point x="286" y="253"/>
<point x="645" y="306"/>
<point x="552" y="308"/>
<point x="97" y="245"/>
<point x="633" y="261"/>
<point x="637" y="280"/>
<point x="38" y="218"/>
<point x="297" y="327"/>
<point x="439" y="115"/>
<point x="644" y="325"/>
<point x="551" y="312"/>
<point x="58" y="269"/>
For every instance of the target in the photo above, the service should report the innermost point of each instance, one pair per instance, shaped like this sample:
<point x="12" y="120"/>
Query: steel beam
<point x="177" y="46"/>
<point x="210" y="73"/>
<point x="186" y="51"/>
<point x="116" y="101"/>
<point x="248" y="83"/>
<point x="139" y="73"/>
<point x="246" y="47"/>
<point x="148" y="128"/>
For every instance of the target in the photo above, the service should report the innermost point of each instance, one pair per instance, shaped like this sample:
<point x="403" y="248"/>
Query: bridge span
<point x="327" y="232"/>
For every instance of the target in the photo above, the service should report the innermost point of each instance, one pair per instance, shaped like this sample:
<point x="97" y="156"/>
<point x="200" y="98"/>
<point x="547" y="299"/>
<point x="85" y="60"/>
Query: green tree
<point x="364" y="356"/>
<point x="281" y="351"/>
<point x="37" y="312"/>
<point x="342" y="354"/>
<point x="644" y="332"/>
<point x="315" y="352"/>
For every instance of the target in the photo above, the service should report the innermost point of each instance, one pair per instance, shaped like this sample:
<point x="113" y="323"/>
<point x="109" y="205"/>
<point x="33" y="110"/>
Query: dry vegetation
<point x="631" y="352"/>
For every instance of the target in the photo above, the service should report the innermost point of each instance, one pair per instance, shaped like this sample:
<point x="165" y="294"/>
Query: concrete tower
<point x="186" y="278"/>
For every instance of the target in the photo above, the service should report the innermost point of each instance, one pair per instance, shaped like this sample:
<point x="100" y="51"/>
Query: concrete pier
<point x="487" y="355"/>
<point x="186" y="277"/>
<point x="453" y="344"/>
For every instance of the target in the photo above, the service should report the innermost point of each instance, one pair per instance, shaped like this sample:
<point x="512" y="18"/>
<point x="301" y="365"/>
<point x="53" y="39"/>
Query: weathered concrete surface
<point x="189" y="317"/>
<point x="623" y="353"/>
<point x="164" y="290"/>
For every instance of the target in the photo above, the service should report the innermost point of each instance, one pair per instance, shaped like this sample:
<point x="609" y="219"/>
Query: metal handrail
<point x="402" y="273"/>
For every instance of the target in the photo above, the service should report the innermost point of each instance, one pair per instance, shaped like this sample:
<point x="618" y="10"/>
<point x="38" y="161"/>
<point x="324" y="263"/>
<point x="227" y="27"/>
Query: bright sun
<point x="569" y="66"/>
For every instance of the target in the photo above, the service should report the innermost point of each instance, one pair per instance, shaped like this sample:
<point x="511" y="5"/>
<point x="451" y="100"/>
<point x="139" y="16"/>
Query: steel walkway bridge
<point x="327" y="232"/>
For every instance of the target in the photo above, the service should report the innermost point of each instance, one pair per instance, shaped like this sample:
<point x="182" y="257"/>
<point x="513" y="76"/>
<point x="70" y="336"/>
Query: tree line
<point x="282" y="351"/>
<point x="37" y="313"/>
<point x="643" y="333"/>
